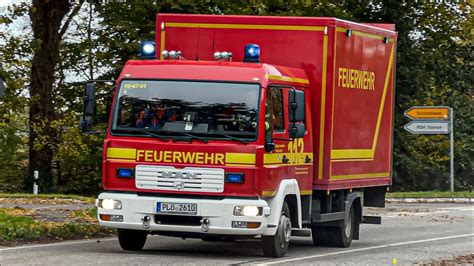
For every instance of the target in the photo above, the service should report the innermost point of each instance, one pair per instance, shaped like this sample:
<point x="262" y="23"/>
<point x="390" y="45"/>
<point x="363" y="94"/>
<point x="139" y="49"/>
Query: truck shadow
<point x="240" y="250"/>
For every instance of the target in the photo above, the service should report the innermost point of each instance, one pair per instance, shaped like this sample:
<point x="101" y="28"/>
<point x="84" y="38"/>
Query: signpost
<point x="427" y="127"/>
<point x="433" y="120"/>
<point x="426" y="112"/>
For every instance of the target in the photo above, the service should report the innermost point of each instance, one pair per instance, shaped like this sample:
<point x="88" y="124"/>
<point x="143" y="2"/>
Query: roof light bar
<point x="171" y="54"/>
<point x="223" y="56"/>
<point x="147" y="50"/>
<point x="252" y="53"/>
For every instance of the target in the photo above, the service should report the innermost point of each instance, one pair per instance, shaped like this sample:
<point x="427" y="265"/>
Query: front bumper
<point x="219" y="212"/>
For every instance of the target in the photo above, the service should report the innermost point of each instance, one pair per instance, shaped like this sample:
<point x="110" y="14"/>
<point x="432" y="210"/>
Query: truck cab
<point x="188" y="141"/>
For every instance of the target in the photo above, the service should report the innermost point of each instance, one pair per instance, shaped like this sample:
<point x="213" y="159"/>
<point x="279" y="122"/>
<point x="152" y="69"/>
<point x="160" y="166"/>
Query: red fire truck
<point x="250" y="127"/>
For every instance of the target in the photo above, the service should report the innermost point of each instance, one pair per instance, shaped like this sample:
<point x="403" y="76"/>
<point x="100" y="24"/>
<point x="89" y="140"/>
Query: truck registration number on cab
<point x="176" y="208"/>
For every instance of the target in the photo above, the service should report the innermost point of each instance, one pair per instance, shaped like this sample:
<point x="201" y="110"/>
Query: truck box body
<point x="350" y="68"/>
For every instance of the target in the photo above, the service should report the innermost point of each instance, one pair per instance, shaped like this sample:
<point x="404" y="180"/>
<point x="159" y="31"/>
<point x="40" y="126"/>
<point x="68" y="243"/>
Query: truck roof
<point x="256" y="21"/>
<point x="213" y="70"/>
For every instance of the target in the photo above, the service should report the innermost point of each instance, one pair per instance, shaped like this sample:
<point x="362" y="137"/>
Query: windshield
<point x="187" y="108"/>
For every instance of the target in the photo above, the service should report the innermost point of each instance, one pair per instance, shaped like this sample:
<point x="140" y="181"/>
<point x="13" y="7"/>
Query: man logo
<point x="178" y="185"/>
<point x="182" y="175"/>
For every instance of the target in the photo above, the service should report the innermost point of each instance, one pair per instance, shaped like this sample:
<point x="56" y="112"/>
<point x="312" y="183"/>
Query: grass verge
<point x="431" y="194"/>
<point x="46" y="196"/>
<point x="19" y="226"/>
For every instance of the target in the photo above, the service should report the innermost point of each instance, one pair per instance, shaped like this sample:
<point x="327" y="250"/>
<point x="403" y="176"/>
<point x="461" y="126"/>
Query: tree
<point x="48" y="28"/>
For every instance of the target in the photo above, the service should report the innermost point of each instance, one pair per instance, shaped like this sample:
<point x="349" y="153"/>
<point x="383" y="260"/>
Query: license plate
<point x="176" y="208"/>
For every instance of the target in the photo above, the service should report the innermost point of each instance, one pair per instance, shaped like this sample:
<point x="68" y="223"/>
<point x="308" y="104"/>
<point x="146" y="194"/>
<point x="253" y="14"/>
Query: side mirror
<point x="297" y="130"/>
<point x="269" y="146"/>
<point x="296" y="106"/>
<point x="89" y="99"/>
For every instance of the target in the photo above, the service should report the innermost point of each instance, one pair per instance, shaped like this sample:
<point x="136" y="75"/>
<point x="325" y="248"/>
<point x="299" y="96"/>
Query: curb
<point x="429" y="200"/>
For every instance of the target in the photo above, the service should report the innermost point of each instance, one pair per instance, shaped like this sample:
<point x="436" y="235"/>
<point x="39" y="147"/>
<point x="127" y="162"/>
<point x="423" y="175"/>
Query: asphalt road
<point x="410" y="233"/>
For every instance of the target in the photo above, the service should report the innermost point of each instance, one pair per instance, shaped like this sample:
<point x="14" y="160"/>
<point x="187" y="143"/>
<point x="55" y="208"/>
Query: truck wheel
<point x="321" y="235"/>
<point x="342" y="236"/>
<point x="132" y="239"/>
<point x="277" y="245"/>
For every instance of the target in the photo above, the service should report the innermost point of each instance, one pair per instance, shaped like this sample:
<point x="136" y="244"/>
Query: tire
<point x="276" y="246"/>
<point x="340" y="236"/>
<point x="321" y="236"/>
<point x="132" y="239"/>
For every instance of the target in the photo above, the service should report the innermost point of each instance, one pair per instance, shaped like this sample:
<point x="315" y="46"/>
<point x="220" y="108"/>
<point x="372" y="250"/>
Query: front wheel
<point x="276" y="246"/>
<point x="132" y="239"/>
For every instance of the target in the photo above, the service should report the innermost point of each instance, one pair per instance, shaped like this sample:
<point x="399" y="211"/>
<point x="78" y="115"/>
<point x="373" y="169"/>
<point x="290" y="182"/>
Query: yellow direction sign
<point x="427" y="112"/>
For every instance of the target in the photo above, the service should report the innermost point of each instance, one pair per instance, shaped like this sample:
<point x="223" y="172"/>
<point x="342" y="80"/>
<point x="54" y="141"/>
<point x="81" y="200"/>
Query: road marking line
<point x="60" y="243"/>
<point x="464" y="208"/>
<point x="364" y="249"/>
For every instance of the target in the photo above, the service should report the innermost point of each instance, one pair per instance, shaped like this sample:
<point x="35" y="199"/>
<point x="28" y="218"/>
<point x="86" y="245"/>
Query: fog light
<point x="111" y="218"/>
<point x="110" y="204"/>
<point x="239" y="224"/>
<point x="247" y="211"/>
<point x="250" y="225"/>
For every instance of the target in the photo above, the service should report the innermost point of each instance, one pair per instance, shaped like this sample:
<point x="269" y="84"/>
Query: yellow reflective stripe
<point x="121" y="153"/>
<point x="284" y="78"/>
<point x="306" y="192"/>
<point x="352" y="154"/>
<point x="369" y="153"/>
<point x="237" y="165"/>
<point x="382" y="104"/>
<point x="269" y="193"/>
<point x="122" y="160"/>
<point x="276" y="158"/>
<point x="162" y="40"/>
<point x="365" y="34"/>
<point x="355" y="176"/>
<point x="240" y="158"/>
<point x="352" y="160"/>
<point x="323" y="107"/>
<point x="243" y="26"/>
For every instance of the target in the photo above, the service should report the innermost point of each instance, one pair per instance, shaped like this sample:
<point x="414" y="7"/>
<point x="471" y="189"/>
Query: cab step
<point x="300" y="232"/>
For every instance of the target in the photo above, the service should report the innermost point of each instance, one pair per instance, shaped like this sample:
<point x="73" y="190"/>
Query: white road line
<point x="463" y="208"/>
<point x="60" y="243"/>
<point x="363" y="249"/>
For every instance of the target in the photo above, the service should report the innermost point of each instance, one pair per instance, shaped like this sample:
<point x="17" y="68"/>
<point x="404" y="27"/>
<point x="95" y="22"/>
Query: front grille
<point x="188" y="179"/>
<point x="178" y="220"/>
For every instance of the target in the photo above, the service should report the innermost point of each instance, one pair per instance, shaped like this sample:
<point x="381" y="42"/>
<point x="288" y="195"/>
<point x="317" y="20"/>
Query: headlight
<point x="247" y="211"/>
<point x="110" y="204"/>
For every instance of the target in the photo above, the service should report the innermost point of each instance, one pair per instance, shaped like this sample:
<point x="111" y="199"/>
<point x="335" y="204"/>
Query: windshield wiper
<point x="147" y="132"/>
<point x="186" y="134"/>
<point x="231" y="137"/>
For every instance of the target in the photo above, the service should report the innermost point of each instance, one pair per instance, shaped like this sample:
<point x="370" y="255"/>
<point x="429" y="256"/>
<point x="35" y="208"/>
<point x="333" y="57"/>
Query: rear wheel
<point x="132" y="239"/>
<point x="277" y="245"/>
<point x="340" y="236"/>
